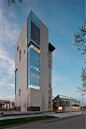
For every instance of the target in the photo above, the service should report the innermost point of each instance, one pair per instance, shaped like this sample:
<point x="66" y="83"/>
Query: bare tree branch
<point x="9" y="2"/>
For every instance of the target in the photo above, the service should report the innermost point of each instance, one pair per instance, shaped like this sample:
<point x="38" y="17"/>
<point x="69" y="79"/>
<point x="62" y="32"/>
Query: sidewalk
<point x="60" y="115"/>
<point x="16" y="113"/>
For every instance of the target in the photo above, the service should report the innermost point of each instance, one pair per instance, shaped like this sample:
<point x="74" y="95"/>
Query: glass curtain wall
<point x="33" y="67"/>
<point x="33" y="29"/>
<point x="75" y="103"/>
<point x="16" y="81"/>
<point x="35" y="33"/>
<point x="33" y="51"/>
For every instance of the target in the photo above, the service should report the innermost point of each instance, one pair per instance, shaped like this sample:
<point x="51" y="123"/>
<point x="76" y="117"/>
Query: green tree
<point x="80" y="43"/>
<point x="80" y="38"/>
<point x="9" y="2"/>
<point x="83" y="78"/>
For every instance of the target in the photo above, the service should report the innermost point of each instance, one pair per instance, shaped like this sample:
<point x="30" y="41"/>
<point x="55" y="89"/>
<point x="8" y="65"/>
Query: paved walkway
<point x="65" y="114"/>
<point x="60" y="115"/>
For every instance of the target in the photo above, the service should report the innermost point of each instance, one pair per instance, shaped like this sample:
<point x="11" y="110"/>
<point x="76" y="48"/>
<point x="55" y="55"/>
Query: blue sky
<point x="62" y="17"/>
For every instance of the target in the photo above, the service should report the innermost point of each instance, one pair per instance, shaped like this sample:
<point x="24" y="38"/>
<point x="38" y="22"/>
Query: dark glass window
<point x="35" y="33"/>
<point x="20" y="92"/>
<point x="16" y="81"/>
<point x="33" y="108"/>
<point x="17" y="48"/>
<point x="20" y="55"/>
<point x="66" y="102"/>
<point x="49" y="58"/>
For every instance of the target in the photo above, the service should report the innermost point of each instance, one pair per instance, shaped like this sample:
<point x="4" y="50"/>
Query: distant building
<point x="33" y="67"/>
<point x="6" y="105"/>
<point x="63" y="103"/>
<point x="83" y="107"/>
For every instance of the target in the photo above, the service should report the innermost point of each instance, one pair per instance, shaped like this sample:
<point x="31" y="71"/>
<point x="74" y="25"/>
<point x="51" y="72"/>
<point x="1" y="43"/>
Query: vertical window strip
<point x="16" y="81"/>
<point x="34" y="68"/>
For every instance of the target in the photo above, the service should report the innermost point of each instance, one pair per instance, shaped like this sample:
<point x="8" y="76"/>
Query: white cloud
<point x="6" y="62"/>
<point x="3" y="81"/>
<point x="65" y="78"/>
<point x="59" y="54"/>
<point x="11" y="85"/>
<point x="59" y="78"/>
<point x="9" y="32"/>
<point x="11" y="98"/>
<point x="9" y="29"/>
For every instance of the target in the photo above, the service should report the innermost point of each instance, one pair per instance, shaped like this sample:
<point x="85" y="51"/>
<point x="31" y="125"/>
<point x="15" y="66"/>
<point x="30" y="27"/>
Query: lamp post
<point x="82" y="101"/>
<point x="82" y="98"/>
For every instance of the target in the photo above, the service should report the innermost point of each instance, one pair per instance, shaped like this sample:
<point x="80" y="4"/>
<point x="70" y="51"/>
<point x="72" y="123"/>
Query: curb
<point x="16" y="114"/>
<point x="58" y="119"/>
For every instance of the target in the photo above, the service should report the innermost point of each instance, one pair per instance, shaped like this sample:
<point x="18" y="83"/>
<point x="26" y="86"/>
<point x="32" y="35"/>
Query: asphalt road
<point x="78" y="122"/>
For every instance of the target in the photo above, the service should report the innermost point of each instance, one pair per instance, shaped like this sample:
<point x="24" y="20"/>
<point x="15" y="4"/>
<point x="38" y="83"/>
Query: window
<point x="24" y="51"/>
<point x="49" y="63"/>
<point x="35" y="33"/>
<point x="49" y="58"/>
<point x="33" y="67"/>
<point x="17" y="48"/>
<point x="20" y="55"/>
<point x="16" y="81"/>
<point x="49" y="86"/>
<point x="66" y="102"/>
<point x="33" y="108"/>
<point x="20" y="92"/>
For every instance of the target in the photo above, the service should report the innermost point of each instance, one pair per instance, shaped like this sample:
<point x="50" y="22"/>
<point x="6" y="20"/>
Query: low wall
<point x="67" y="108"/>
<point x="76" y="109"/>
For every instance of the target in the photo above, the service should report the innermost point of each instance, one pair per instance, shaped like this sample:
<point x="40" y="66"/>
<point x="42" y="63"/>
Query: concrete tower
<point x="33" y="67"/>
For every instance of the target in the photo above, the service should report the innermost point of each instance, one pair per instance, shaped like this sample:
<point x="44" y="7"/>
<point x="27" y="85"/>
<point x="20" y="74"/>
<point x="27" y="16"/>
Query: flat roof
<point x="65" y="97"/>
<point x="51" y="47"/>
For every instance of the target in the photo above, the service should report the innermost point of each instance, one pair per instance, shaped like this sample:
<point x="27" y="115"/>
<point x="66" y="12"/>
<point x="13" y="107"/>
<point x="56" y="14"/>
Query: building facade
<point x="64" y="103"/>
<point x="6" y="105"/>
<point x="33" y="67"/>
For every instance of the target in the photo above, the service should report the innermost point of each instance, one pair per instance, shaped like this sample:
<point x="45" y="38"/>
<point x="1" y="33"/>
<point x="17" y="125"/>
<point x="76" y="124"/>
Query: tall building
<point x="33" y="67"/>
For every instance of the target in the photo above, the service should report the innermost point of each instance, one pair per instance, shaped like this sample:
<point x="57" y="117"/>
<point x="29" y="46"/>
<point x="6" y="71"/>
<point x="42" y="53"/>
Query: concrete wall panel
<point x="22" y="68"/>
<point x="44" y="66"/>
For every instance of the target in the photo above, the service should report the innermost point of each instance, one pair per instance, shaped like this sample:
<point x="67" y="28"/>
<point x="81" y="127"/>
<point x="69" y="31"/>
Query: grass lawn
<point x="84" y="111"/>
<point x="8" y="122"/>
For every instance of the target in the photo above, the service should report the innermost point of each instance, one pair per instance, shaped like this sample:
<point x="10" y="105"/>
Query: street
<point x="75" y="122"/>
